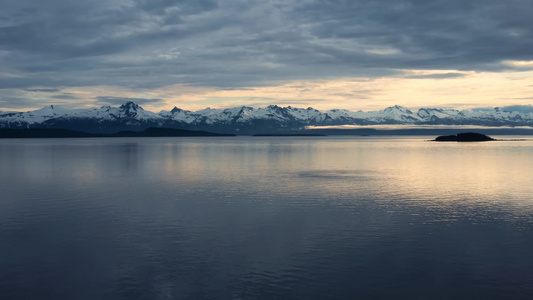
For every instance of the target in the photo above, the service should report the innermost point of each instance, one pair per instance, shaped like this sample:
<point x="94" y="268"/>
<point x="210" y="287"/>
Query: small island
<point x="464" y="137"/>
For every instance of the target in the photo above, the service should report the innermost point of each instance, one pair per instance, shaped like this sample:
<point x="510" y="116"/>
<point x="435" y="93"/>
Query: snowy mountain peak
<point x="130" y="115"/>
<point x="176" y="110"/>
<point x="398" y="108"/>
<point x="49" y="110"/>
<point x="130" y="106"/>
<point x="130" y="109"/>
<point x="246" y="108"/>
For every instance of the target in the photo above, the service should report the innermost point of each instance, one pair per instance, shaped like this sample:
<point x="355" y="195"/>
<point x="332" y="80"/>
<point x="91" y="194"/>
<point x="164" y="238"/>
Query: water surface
<point x="265" y="218"/>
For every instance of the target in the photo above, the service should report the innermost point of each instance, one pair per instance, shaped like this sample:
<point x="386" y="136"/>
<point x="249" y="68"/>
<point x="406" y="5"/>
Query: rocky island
<point x="464" y="137"/>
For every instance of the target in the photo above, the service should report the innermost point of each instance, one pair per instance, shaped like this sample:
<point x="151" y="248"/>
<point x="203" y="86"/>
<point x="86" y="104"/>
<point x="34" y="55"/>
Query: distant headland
<point x="464" y="137"/>
<point x="289" y="134"/>
<point x="65" y="133"/>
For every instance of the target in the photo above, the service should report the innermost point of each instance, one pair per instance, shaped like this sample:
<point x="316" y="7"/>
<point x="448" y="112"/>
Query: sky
<point x="350" y="54"/>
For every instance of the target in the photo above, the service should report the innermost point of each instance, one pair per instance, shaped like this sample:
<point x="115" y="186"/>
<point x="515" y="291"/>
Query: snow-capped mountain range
<point x="131" y="116"/>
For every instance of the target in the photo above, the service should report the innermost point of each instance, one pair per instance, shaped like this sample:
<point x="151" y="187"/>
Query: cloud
<point x="108" y="100"/>
<point x="437" y="76"/>
<point x="238" y="44"/>
<point x="65" y="97"/>
<point x="43" y="90"/>
<point x="16" y="103"/>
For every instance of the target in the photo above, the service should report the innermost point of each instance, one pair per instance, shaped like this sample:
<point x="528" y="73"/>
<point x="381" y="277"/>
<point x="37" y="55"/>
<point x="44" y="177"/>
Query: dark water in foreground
<point x="264" y="218"/>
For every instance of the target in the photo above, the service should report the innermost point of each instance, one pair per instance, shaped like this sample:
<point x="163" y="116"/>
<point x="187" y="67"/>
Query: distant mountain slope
<point x="131" y="116"/>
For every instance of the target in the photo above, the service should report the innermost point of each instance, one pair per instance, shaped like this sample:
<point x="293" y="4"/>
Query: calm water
<point x="265" y="218"/>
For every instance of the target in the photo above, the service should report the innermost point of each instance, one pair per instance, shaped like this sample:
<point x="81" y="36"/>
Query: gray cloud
<point x="265" y="101"/>
<point x="15" y="103"/>
<point x="43" y="90"/>
<point x="234" y="44"/>
<point x="437" y="76"/>
<point x="65" y="97"/>
<point x="108" y="100"/>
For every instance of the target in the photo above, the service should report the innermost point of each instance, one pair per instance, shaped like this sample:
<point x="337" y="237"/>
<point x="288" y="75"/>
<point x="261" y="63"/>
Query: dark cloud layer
<point x="14" y="103"/>
<point x="65" y="97"/>
<point x="43" y="90"/>
<point x="108" y="100"/>
<point x="48" y="45"/>
<point x="437" y="76"/>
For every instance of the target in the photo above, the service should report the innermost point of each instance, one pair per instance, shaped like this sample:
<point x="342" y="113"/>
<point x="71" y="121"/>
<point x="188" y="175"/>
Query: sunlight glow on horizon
<point x="412" y="88"/>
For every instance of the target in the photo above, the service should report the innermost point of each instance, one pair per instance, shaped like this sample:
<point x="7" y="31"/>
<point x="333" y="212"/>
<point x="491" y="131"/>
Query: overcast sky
<point x="353" y="54"/>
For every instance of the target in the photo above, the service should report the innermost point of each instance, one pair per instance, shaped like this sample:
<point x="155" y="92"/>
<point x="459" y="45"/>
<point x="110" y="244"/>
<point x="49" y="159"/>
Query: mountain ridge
<point x="244" y="119"/>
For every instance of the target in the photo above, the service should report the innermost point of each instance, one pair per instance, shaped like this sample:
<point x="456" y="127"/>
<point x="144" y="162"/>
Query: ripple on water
<point x="337" y="174"/>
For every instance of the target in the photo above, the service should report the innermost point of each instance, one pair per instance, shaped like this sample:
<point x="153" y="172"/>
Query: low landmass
<point x="289" y="134"/>
<point x="167" y="132"/>
<point x="8" y="133"/>
<point x="464" y="137"/>
<point x="66" y="133"/>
